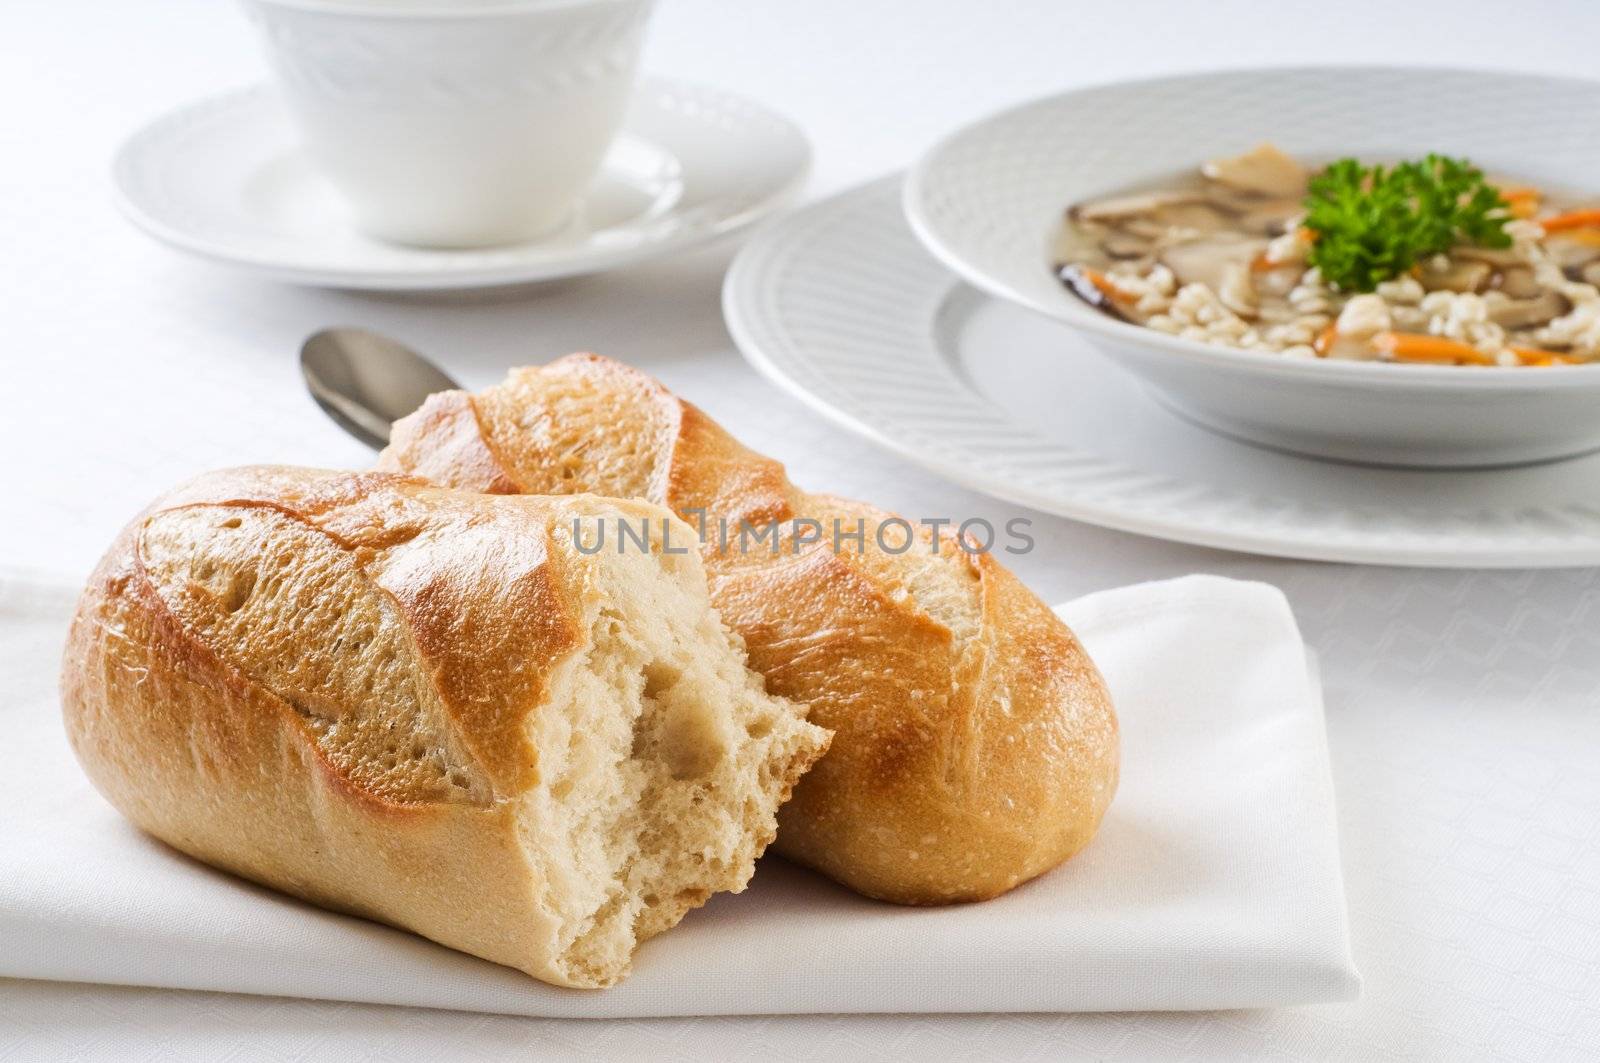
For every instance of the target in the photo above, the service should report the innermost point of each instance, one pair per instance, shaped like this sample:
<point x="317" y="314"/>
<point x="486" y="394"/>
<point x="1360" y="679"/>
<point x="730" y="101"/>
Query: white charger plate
<point x="840" y="305"/>
<point x="225" y="178"/>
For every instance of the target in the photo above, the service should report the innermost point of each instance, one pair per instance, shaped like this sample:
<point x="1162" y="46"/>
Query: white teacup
<point x="456" y="124"/>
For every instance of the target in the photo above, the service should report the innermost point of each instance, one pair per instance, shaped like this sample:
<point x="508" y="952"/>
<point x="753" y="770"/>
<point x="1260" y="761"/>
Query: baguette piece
<point x="427" y="707"/>
<point x="975" y="743"/>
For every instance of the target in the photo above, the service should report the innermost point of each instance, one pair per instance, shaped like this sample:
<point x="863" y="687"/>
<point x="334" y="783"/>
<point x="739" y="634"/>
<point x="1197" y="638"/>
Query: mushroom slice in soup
<point x="1153" y="215"/>
<point x="1198" y="217"/>
<point x="1121" y="208"/>
<point x="1517" y="282"/>
<point x="1238" y="291"/>
<point x="1269" y="217"/>
<point x="1495" y="256"/>
<point x="1527" y="313"/>
<point x="1451" y="275"/>
<point x="1205" y="259"/>
<point x="1121" y="244"/>
<point x="1264" y="170"/>
<point x="1252" y="212"/>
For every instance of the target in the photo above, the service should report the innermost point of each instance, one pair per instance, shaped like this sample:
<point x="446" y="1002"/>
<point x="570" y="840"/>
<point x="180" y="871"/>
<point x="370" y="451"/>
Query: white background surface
<point x="1462" y="707"/>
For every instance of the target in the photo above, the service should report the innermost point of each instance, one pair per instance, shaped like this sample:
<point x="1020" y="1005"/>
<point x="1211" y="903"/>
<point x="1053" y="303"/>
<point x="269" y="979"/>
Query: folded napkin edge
<point x="1193" y="589"/>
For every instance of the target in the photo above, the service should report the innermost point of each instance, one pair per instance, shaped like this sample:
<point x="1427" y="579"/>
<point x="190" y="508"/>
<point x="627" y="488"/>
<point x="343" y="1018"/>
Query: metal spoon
<point x="366" y="381"/>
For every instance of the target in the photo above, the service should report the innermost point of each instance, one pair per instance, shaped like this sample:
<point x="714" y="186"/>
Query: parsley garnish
<point x="1372" y="223"/>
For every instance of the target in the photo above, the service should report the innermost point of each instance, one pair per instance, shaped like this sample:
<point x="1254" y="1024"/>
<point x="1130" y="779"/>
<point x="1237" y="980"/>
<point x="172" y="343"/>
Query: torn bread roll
<point x="430" y="708"/>
<point x="975" y="744"/>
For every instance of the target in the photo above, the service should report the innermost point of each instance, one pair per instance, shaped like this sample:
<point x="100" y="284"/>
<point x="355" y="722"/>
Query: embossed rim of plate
<point x="718" y="113"/>
<point x="775" y="295"/>
<point x="949" y="240"/>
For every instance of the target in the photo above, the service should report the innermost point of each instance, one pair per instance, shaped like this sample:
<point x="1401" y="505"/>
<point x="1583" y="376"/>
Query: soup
<point x="1428" y="261"/>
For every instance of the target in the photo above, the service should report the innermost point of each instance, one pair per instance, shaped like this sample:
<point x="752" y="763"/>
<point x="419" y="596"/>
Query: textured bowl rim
<point x="1429" y="377"/>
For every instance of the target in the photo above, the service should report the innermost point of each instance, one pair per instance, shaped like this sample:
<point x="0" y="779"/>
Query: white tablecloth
<point x="1463" y="711"/>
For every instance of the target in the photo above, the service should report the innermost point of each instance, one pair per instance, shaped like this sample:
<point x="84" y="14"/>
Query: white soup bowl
<point x="987" y="201"/>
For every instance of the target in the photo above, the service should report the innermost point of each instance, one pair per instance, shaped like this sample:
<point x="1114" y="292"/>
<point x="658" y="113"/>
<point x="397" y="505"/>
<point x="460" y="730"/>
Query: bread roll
<point x="975" y="745"/>
<point x="429" y="708"/>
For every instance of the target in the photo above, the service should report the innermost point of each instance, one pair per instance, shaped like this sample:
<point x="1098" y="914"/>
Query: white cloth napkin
<point x="1214" y="882"/>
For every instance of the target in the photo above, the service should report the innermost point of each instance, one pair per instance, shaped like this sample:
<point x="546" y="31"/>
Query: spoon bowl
<point x="366" y="381"/>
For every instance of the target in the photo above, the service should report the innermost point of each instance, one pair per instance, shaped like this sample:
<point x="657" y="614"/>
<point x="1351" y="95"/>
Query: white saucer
<point x="840" y="305"/>
<point x="225" y="178"/>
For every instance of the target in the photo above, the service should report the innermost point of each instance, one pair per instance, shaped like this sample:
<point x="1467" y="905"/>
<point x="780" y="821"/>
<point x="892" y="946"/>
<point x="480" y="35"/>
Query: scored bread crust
<point x="975" y="744"/>
<point x="333" y="684"/>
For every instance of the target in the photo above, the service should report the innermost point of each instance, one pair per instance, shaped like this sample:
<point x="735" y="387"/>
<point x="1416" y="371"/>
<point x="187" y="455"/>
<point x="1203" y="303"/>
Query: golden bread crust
<point x="975" y="743"/>
<point x="329" y="683"/>
<point x="206" y="756"/>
